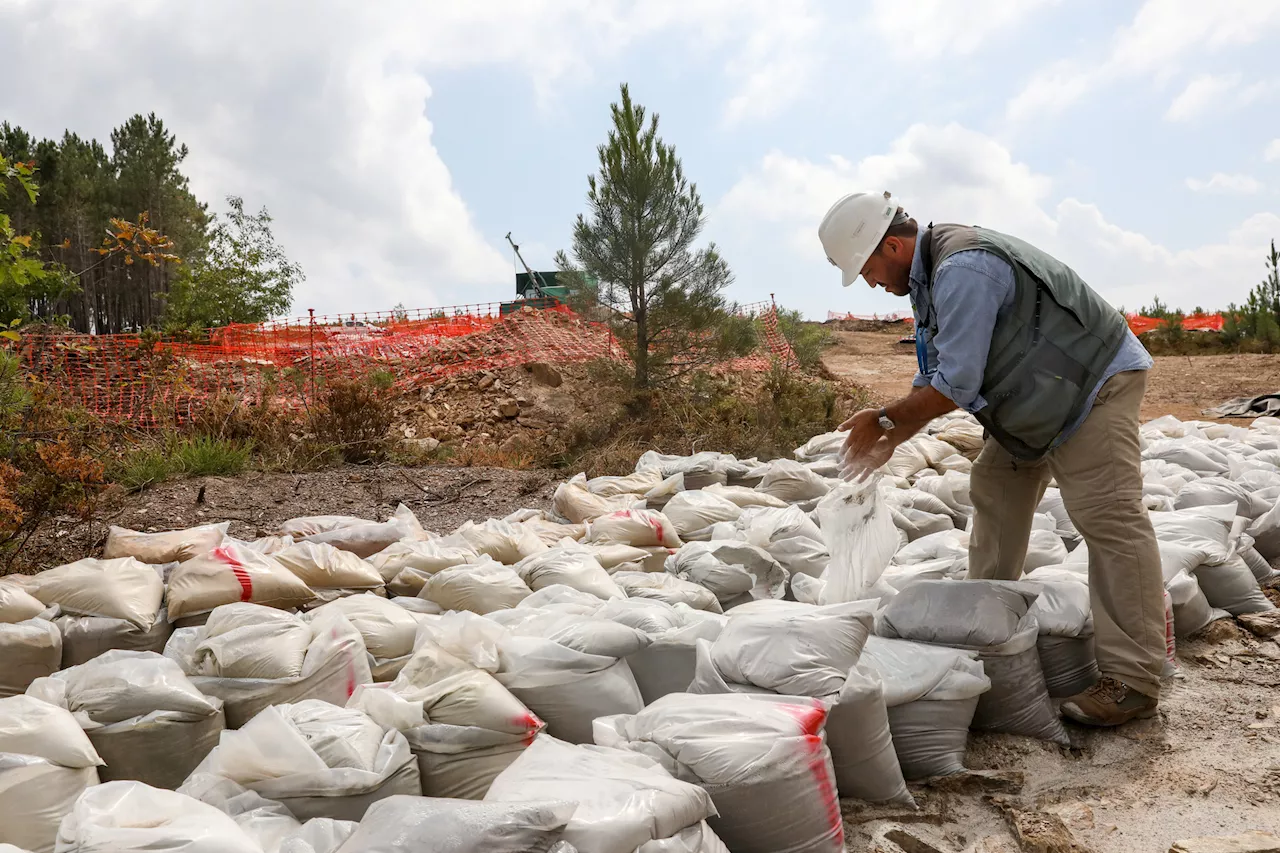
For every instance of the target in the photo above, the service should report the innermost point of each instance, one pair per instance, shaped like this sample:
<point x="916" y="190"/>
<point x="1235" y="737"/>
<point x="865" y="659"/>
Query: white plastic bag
<point x="789" y="536"/>
<point x="859" y="532"/>
<point x="18" y="605"/>
<point x="131" y="816"/>
<point x="792" y="482"/>
<point x="745" y="497"/>
<point x="231" y="573"/>
<point x="406" y="565"/>
<point x="419" y="824"/>
<point x="572" y="500"/>
<point x="505" y="542"/>
<point x="624" y="799"/>
<point x="121" y="588"/>
<point x="482" y="587"/>
<point x="660" y="586"/>
<point x="691" y="511"/>
<point x="322" y="566"/>
<point x="28" y="650"/>
<point x="734" y="572"/>
<point x="639" y="527"/>
<point x="388" y="630"/>
<point x="172" y="546"/>
<point x="569" y="564"/>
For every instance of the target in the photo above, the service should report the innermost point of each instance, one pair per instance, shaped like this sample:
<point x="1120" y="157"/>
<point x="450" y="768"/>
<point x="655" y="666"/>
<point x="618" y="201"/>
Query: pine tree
<point x="637" y="240"/>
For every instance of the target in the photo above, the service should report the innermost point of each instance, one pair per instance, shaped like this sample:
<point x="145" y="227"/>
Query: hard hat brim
<point x="847" y="278"/>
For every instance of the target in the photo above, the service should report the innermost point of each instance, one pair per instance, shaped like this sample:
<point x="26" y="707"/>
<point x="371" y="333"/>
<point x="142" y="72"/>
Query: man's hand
<point x="858" y="468"/>
<point x="864" y="431"/>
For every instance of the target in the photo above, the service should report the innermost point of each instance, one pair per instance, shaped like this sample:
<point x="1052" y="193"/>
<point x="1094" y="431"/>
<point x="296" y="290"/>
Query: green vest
<point x="1047" y="353"/>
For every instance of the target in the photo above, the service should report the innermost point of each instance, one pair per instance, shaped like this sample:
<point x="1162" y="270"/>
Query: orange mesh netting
<point x="152" y="379"/>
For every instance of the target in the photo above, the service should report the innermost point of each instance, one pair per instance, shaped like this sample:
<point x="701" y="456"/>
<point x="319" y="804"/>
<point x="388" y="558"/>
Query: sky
<point x="396" y="142"/>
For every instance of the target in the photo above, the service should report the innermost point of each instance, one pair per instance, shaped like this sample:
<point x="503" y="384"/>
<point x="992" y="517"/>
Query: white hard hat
<point x="852" y="229"/>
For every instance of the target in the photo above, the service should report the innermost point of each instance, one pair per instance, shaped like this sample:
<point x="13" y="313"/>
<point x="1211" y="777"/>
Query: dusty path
<point x="1182" y="386"/>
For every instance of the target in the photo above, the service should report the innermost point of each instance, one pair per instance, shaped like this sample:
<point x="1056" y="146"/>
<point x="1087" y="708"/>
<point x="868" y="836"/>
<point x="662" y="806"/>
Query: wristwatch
<point x="886" y="423"/>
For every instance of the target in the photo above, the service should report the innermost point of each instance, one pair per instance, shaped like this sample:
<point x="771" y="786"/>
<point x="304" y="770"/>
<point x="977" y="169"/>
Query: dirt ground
<point x="1183" y="386"/>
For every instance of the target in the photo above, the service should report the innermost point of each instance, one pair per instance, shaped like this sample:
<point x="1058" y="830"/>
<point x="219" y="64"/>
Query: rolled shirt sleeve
<point x="969" y="290"/>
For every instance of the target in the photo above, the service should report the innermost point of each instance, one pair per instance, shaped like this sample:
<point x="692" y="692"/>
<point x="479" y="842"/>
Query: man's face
<point x="890" y="267"/>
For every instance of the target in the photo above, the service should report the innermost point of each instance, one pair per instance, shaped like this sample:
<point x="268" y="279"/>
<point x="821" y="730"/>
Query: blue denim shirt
<point x="971" y="290"/>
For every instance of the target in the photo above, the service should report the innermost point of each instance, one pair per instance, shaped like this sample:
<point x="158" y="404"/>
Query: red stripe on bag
<point x="223" y="553"/>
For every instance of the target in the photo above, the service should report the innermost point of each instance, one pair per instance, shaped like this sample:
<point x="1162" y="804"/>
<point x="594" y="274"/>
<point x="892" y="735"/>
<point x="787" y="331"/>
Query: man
<point x="1056" y="378"/>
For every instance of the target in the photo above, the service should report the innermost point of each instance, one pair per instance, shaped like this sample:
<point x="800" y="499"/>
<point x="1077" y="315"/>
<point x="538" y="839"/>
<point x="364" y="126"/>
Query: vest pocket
<point x="1038" y="397"/>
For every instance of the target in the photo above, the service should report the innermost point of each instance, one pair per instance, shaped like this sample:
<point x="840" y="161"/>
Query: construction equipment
<point x="537" y="289"/>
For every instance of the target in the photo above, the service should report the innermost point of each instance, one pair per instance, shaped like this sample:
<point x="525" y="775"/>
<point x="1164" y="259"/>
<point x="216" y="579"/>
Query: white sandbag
<point x="46" y="762"/>
<point x="1065" y="642"/>
<point x="990" y="617"/>
<point x="411" y="558"/>
<point x="632" y="484"/>
<point x="366" y="539"/>
<point x="334" y="665"/>
<point x="1265" y="532"/>
<point x="667" y="588"/>
<point x="695" y="839"/>
<point x="574" y="501"/>
<point x="1044" y="548"/>
<point x="789" y="536"/>
<point x="899" y="578"/>
<point x="174" y="546"/>
<point x="482" y="587"/>
<point x="745" y="497"/>
<point x="267" y="544"/>
<point x="322" y="566"/>
<point x="624" y="799"/>
<point x="418" y="824"/>
<point x="691" y="511"/>
<point x="317" y="759"/>
<point x="734" y="572"/>
<point x="762" y="760"/>
<point x="639" y="527"/>
<point x="558" y="597"/>
<point x="1196" y="455"/>
<point x="613" y="557"/>
<point x="859" y="532"/>
<point x="1191" y="610"/>
<point x="1053" y="504"/>
<point x="551" y="533"/>
<point x="387" y="629"/>
<point x="1232" y="587"/>
<point x="699" y="470"/>
<point x="950" y="544"/>
<point x="916" y="523"/>
<point x="231" y="573"/>
<point x="952" y="488"/>
<point x="310" y="525"/>
<point x="827" y="444"/>
<point x="569" y="564"/>
<point x="931" y="693"/>
<point x="18" y="605"/>
<point x="1216" y="491"/>
<point x="86" y="637"/>
<point x="251" y="641"/>
<point x="145" y="719"/>
<point x="564" y="687"/>
<point x="667" y="663"/>
<point x="792" y="482"/>
<point x="801" y="652"/>
<point x="1263" y="573"/>
<point x="28" y="650"/>
<point x="505" y="542"/>
<point x="120" y="588"/>
<point x="131" y="816"/>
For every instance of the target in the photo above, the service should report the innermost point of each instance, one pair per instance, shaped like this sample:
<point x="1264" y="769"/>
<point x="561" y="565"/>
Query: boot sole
<point x="1144" y="714"/>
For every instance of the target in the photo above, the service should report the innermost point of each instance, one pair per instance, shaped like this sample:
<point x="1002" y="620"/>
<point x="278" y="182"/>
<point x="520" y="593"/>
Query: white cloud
<point x="1220" y="182"/>
<point x="936" y="28"/>
<point x="1273" y="151"/>
<point x="1161" y="34"/>
<point x="953" y="174"/>
<point x="1201" y="94"/>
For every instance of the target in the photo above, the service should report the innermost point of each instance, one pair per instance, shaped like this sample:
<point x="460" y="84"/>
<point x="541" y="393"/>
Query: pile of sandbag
<point x="412" y="824"/>
<point x="624" y="800"/>
<point x="30" y="642"/>
<point x="993" y="619"/>
<point x="357" y="535"/>
<point x="667" y="588"/>
<point x="251" y="657"/>
<point x="142" y="714"/>
<point x="734" y="571"/>
<point x="406" y="565"/>
<point x="46" y="762"/>
<point x="668" y="663"/>
<point x="106" y="604"/>
<point x="802" y="650"/>
<point x="317" y="759"/>
<point x="388" y="630"/>
<point x="572" y="565"/>
<point x="1065" y="642"/>
<point x="761" y="759"/>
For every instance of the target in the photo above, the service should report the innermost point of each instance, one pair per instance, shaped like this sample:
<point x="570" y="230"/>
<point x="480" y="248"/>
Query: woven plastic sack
<point x="482" y="587"/>
<point x="505" y="542"/>
<point x="691" y="511"/>
<point x="789" y="536"/>
<point x="917" y="523"/>
<point x="931" y="693"/>
<point x="1265" y="531"/>
<point x="1191" y="610"/>
<point x="990" y="617"/>
<point x="174" y="546"/>
<point x="1263" y="573"/>
<point x="322" y="566"/>
<point x="120" y="588"/>
<point x="231" y="573"/>
<point x="406" y="565"/>
<point x="859" y="532"/>
<point x="744" y="497"/>
<point x="1044" y="548"/>
<point x="1231" y="586"/>
<point x="952" y="488"/>
<point x="763" y="760"/>
<point x="18" y="605"/>
<point x="251" y="641"/>
<point x="624" y="799"/>
<point x="417" y="824"/>
<point x="564" y="687"/>
<point x="46" y="763"/>
<point x="28" y="650"/>
<point x="639" y="527"/>
<point x="387" y="629"/>
<point x="334" y="665"/>
<point x="316" y="759"/>
<point x="574" y="501"/>
<point x="1216" y="491"/>
<point x="86" y="637"/>
<point x="827" y="444"/>
<point x="569" y="564"/>
<point x="735" y="572"/>
<point x="145" y="719"/>
<point x="792" y="482"/>
<point x="667" y="664"/>
<point x="669" y="589"/>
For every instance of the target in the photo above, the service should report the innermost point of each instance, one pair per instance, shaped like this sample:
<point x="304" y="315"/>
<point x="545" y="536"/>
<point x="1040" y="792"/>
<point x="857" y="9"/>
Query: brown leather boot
<point x="1109" y="703"/>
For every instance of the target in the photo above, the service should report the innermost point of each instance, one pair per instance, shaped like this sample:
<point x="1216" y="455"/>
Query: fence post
<point x="311" y="350"/>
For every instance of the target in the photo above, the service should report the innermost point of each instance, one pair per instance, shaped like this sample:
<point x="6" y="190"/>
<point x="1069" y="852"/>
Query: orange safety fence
<point x="892" y="317"/>
<point x="148" y="379"/>
<point x="1191" y="322"/>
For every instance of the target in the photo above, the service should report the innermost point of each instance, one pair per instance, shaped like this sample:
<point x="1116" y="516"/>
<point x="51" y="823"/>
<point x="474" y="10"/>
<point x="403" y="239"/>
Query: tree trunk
<point x="642" y="346"/>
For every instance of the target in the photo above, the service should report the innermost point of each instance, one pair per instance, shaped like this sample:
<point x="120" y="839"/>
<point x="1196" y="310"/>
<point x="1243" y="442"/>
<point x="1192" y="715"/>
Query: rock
<point x="545" y="374"/>
<point x="1261" y="624"/>
<point x="1217" y="631"/>
<point x="512" y="444"/>
<point x="1039" y="832"/>
<point x="1248" y="842"/>
<point x="533" y="423"/>
<point x="486" y="381"/>
<point x="508" y="408"/>
<point x="907" y="840"/>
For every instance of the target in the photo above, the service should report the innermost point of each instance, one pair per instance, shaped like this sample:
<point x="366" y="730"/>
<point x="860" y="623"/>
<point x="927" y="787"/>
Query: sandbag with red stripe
<point x="229" y="573"/>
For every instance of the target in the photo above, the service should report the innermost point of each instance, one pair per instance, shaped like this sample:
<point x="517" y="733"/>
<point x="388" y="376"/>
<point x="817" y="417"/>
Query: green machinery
<point x="537" y="289"/>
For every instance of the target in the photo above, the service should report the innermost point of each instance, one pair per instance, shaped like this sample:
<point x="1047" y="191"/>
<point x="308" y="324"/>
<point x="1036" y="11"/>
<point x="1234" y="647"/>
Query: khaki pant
<point x="1098" y="471"/>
